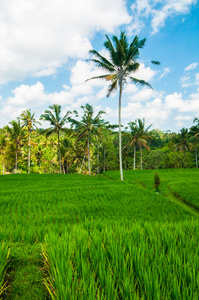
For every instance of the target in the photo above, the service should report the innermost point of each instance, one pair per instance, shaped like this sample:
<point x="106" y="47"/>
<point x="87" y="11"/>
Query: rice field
<point x="187" y="192"/>
<point x="123" y="262"/>
<point x="94" y="237"/>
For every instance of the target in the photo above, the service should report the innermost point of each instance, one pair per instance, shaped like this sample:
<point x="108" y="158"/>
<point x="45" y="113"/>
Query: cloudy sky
<point x="45" y="43"/>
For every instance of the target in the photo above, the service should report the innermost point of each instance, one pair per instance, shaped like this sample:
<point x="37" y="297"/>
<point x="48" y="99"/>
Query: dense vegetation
<point x="95" y="237"/>
<point x="90" y="145"/>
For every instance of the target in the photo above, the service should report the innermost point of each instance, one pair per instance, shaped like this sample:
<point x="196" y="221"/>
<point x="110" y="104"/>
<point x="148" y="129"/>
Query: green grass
<point x="70" y="211"/>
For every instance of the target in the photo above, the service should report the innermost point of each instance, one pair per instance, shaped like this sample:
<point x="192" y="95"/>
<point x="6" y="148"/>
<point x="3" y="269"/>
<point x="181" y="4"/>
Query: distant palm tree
<point x="3" y="144"/>
<point x="181" y="142"/>
<point x="30" y="122"/>
<point x="87" y="127"/>
<point x="139" y="137"/>
<point x="57" y="122"/>
<point x="17" y="135"/>
<point x="194" y="134"/>
<point x="120" y="66"/>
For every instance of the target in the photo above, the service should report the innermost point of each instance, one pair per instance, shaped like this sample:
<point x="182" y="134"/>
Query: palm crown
<point x="123" y="61"/>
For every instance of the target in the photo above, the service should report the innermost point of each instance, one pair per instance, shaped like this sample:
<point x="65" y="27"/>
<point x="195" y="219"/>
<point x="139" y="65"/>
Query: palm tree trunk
<point x="88" y="149"/>
<point x="59" y="153"/>
<point x="29" y="154"/>
<point x="64" y="172"/>
<point x="104" y="165"/>
<point x="97" y="159"/>
<point x="141" y="156"/>
<point x="120" y="133"/>
<point x="82" y="163"/>
<point x="185" y="160"/>
<point x="134" y="156"/>
<point x="16" y="152"/>
<point x="3" y="167"/>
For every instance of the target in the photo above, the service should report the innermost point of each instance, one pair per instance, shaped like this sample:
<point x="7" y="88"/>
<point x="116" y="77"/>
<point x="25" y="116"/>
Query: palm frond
<point x="141" y="82"/>
<point x="112" y="88"/>
<point x="102" y="65"/>
<point x="155" y="62"/>
<point x="106" y="77"/>
<point x="102" y="58"/>
<point x="133" y="67"/>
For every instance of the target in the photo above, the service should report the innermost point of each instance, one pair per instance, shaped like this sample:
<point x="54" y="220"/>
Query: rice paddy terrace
<point x="95" y="237"/>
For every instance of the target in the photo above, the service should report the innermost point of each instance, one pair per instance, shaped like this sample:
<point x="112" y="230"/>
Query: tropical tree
<point x="17" y="135"/>
<point x="88" y="126"/>
<point x="181" y="143"/>
<point x="139" y="136"/>
<point x="194" y="134"/>
<point x="120" y="66"/>
<point x="57" y="122"/>
<point x="67" y="154"/>
<point x="3" y="144"/>
<point x="30" y="122"/>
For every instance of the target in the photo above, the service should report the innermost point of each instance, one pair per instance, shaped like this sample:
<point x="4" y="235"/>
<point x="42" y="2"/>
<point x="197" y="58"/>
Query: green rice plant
<point x="27" y="215"/>
<point x="123" y="261"/>
<point x="105" y="239"/>
<point x="4" y="255"/>
<point x="187" y="191"/>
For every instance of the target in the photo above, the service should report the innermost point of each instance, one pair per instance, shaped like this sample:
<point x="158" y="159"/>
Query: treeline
<point x="87" y="144"/>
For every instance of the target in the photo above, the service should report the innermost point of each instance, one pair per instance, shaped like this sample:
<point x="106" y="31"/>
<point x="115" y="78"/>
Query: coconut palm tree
<point x="181" y="142"/>
<point x="57" y="122"/>
<point x="120" y="66"/>
<point x="87" y="127"/>
<point x="194" y="134"/>
<point x="3" y="144"/>
<point x="30" y="122"/>
<point x="139" y="136"/>
<point x="17" y="135"/>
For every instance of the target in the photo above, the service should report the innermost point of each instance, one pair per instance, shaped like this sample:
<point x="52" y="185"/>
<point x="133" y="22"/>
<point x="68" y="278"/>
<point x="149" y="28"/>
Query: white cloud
<point x="143" y="95"/>
<point x="173" y="101"/>
<point x="197" y="78"/>
<point x="171" y="8"/>
<point x="180" y="118"/>
<point x="39" y="36"/>
<point x="185" y="81"/>
<point x="145" y="73"/>
<point x="32" y="96"/>
<point x="165" y="72"/>
<point x="191" y="67"/>
<point x="156" y="12"/>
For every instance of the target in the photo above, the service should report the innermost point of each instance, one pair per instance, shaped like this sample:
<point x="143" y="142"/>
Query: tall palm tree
<point x="87" y="127"/>
<point x="57" y="122"/>
<point x="139" y="137"/>
<point x="17" y="135"/>
<point x="30" y="122"/>
<point x="120" y="66"/>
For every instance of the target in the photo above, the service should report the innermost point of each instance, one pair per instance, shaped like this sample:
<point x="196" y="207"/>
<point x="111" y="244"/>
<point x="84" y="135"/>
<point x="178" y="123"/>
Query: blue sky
<point x="45" y="44"/>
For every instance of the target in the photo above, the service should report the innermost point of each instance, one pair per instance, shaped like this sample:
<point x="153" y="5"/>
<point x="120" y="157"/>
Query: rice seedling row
<point x="123" y="262"/>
